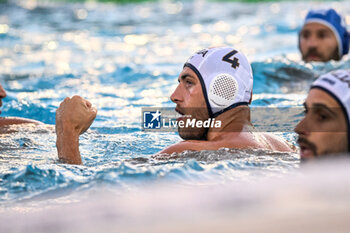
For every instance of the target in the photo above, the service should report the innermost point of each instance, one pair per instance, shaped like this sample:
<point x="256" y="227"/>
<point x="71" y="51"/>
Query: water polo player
<point x="215" y="83"/>
<point x="325" y="128"/>
<point x="6" y="121"/>
<point x="323" y="36"/>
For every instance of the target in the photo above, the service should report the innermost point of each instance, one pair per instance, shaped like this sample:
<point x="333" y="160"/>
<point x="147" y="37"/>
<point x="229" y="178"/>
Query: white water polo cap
<point x="337" y="85"/>
<point x="226" y="78"/>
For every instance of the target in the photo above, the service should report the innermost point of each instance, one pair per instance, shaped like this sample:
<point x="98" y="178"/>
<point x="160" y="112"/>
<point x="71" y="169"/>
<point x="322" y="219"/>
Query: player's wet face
<point x="2" y="95"/>
<point x="323" y="130"/>
<point x="190" y="103"/>
<point x="318" y="43"/>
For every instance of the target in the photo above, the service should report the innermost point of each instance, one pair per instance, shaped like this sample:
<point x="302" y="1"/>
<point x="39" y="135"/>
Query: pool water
<point x="123" y="58"/>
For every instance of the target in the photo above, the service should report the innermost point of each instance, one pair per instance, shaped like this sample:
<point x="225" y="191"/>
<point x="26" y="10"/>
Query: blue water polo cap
<point x="331" y="19"/>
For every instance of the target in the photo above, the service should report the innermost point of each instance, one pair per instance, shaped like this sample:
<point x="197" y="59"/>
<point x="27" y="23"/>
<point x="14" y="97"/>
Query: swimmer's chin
<point x="314" y="59"/>
<point x="306" y="153"/>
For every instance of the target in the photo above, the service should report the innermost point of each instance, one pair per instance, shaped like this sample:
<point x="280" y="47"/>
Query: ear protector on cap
<point x="222" y="91"/>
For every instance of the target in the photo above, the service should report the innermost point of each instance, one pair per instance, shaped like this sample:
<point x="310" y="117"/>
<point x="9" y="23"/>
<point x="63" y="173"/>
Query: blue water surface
<point x="123" y="58"/>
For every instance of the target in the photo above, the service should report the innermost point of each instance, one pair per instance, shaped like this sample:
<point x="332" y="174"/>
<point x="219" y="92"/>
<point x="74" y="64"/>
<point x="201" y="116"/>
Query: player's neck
<point x="233" y="120"/>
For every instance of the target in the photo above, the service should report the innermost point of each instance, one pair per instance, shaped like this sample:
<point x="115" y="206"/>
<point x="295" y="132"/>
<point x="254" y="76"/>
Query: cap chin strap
<point x="229" y="108"/>
<point x="192" y="67"/>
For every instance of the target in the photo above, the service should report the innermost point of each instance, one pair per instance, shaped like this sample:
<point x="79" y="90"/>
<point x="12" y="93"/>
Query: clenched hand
<point x="73" y="117"/>
<point x="75" y="114"/>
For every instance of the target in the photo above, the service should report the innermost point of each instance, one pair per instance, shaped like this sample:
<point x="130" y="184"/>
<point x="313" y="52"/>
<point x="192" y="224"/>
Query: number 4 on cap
<point x="234" y="61"/>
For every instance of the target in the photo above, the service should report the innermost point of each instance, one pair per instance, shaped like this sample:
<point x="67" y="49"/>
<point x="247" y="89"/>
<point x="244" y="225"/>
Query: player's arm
<point x="5" y="121"/>
<point x="73" y="117"/>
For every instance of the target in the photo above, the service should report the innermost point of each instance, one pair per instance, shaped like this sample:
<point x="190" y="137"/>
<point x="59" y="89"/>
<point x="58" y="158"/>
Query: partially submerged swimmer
<point x="325" y="128"/>
<point x="214" y="83"/>
<point x="217" y="83"/>
<point x="7" y="121"/>
<point x="324" y="36"/>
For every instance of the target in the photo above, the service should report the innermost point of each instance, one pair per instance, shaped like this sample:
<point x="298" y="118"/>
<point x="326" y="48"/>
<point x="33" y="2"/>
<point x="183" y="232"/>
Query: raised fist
<point x="75" y="115"/>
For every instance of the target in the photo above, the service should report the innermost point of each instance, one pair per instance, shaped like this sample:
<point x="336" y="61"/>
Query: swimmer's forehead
<point x="187" y="72"/>
<point x="318" y="97"/>
<point x="313" y="26"/>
